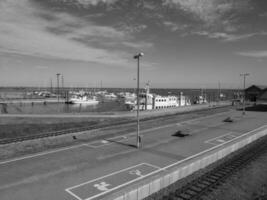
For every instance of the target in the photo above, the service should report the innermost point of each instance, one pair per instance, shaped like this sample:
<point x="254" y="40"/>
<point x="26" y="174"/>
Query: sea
<point x="19" y="95"/>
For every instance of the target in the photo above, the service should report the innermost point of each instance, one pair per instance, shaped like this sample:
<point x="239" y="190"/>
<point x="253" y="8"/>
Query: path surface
<point x="147" y="113"/>
<point x="96" y="169"/>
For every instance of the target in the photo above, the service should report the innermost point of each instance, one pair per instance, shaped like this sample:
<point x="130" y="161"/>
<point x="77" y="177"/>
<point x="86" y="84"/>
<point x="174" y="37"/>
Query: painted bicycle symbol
<point x="102" y="186"/>
<point x="136" y="172"/>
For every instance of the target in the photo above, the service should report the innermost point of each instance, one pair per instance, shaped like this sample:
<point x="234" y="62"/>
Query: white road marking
<point x="91" y="145"/>
<point x="102" y="186"/>
<point x="117" y="187"/>
<point x="106" y="156"/>
<point x="70" y="192"/>
<point x="109" y="141"/>
<point x="125" y="184"/>
<point x="212" y="140"/>
<point x="136" y="172"/>
<point x="41" y="154"/>
<point x="110" y="174"/>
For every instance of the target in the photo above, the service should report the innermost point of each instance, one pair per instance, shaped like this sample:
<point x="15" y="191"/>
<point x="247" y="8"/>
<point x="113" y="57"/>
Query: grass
<point x="13" y="127"/>
<point x="17" y="127"/>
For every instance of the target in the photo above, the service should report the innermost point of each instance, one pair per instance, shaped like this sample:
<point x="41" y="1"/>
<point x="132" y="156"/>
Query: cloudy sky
<point x="187" y="43"/>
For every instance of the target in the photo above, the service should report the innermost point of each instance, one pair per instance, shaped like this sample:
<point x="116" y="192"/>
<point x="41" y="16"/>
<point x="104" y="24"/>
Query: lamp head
<point x="138" y="55"/>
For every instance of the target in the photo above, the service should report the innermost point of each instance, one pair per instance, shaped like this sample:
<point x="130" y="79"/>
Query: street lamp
<point x="58" y="74"/>
<point x="138" y="138"/>
<point x="244" y="86"/>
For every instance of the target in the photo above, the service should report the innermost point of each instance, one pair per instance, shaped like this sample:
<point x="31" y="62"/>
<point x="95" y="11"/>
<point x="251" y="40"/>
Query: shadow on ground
<point x="257" y="108"/>
<point x="121" y="143"/>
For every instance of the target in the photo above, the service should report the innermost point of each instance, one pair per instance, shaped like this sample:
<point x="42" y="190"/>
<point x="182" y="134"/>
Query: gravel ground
<point x="248" y="184"/>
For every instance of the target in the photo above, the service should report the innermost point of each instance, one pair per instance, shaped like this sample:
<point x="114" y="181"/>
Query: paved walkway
<point x="96" y="169"/>
<point x="147" y="113"/>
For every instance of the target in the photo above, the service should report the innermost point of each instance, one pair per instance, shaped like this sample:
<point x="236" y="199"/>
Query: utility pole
<point x="58" y="74"/>
<point x="51" y="85"/>
<point x="219" y="91"/>
<point x="202" y="95"/>
<point x="137" y="56"/>
<point x="244" y="93"/>
<point x="62" y="85"/>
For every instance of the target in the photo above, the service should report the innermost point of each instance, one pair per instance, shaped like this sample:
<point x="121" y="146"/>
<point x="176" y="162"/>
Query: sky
<point x="186" y="43"/>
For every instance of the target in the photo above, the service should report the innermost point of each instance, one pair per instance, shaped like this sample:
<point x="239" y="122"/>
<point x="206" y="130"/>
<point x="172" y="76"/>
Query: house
<point x="263" y="97"/>
<point x="253" y="92"/>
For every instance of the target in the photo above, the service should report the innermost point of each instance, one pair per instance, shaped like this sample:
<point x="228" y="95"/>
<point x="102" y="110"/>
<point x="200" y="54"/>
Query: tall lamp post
<point x="58" y="74"/>
<point x="244" y="86"/>
<point x="138" y="138"/>
<point x="62" y="86"/>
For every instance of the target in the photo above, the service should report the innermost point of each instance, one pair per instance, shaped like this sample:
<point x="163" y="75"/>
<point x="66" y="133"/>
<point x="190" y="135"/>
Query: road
<point x="96" y="169"/>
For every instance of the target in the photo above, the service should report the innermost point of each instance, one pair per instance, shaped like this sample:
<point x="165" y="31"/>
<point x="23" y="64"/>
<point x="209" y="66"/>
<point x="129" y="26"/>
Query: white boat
<point x="129" y="96"/>
<point x="150" y="101"/>
<point x="130" y="105"/>
<point x="110" y="96"/>
<point x="83" y="100"/>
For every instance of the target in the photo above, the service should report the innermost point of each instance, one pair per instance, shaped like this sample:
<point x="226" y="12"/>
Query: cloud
<point x="85" y="3"/>
<point x="263" y="14"/>
<point x="253" y="54"/>
<point x="132" y="28"/>
<point x="74" y="27"/>
<point x="139" y="45"/>
<point x="204" y="9"/>
<point x="95" y="2"/>
<point x="90" y="34"/>
<point x="22" y="31"/>
<point x="215" y="14"/>
<point x="41" y="67"/>
<point x="174" y="26"/>
<point x="228" y="37"/>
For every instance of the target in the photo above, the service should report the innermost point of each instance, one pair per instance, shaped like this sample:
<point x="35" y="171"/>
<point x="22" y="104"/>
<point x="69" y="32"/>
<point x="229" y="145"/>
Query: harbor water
<point x="16" y="101"/>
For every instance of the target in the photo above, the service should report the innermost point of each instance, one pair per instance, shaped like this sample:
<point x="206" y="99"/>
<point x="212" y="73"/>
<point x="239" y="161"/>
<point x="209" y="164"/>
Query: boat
<point x="78" y="99"/>
<point x="110" y="96"/>
<point x="130" y="104"/>
<point x="149" y="101"/>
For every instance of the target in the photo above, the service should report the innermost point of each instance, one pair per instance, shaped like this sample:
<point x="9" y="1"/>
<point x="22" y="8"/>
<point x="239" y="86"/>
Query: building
<point x="254" y="92"/>
<point x="262" y="98"/>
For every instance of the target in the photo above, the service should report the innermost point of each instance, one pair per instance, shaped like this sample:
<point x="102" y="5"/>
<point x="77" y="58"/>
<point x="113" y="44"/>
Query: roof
<point x="261" y="87"/>
<point x="263" y="95"/>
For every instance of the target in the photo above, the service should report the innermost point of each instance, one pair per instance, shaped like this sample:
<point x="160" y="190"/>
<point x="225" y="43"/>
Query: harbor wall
<point x="182" y="109"/>
<point x="171" y="174"/>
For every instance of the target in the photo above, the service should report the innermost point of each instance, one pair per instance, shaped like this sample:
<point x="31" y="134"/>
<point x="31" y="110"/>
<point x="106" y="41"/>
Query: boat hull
<point x="83" y="102"/>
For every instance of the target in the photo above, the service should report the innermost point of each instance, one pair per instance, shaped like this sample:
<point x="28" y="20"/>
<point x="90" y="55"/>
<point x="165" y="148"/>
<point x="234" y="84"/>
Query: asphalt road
<point x="91" y="170"/>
